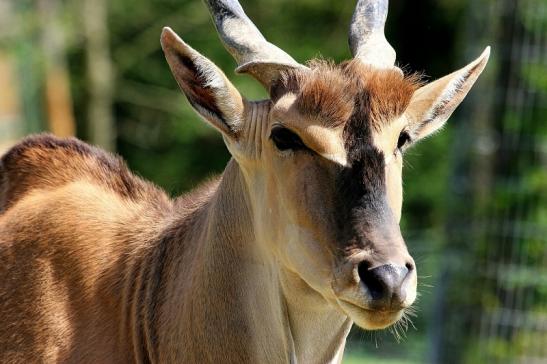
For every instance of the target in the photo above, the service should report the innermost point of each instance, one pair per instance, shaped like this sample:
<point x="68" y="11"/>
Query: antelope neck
<point x="230" y="289"/>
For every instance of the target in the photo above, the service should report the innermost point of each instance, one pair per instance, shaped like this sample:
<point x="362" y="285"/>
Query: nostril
<point x="371" y="280"/>
<point x="374" y="285"/>
<point x="410" y="268"/>
<point x="362" y="268"/>
<point x="385" y="283"/>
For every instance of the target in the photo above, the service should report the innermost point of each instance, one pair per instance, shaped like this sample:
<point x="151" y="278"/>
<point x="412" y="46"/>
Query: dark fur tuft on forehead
<point x="333" y="92"/>
<point x="320" y="93"/>
<point x="386" y="91"/>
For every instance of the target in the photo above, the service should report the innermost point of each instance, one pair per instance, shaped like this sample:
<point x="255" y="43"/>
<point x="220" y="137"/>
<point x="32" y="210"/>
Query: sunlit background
<point x="475" y="213"/>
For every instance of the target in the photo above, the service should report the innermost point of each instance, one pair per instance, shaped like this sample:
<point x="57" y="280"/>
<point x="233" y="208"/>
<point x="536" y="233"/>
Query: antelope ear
<point x="432" y="104"/>
<point x="208" y="90"/>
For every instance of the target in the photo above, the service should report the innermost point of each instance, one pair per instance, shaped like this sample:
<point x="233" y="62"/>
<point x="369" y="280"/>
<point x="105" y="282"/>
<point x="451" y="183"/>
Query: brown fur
<point x="46" y="162"/>
<point x="84" y="247"/>
<point x="104" y="267"/>
<point x="330" y="91"/>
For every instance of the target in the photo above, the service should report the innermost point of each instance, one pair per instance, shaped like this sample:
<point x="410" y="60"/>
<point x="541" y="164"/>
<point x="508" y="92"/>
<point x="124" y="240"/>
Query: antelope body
<point x="270" y="263"/>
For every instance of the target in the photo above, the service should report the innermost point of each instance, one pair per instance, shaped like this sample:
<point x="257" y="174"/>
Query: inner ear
<point x="432" y="104"/>
<point x="206" y="87"/>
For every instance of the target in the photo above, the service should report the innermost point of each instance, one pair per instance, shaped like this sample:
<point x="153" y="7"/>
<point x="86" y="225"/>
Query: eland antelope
<point x="273" y="261"/>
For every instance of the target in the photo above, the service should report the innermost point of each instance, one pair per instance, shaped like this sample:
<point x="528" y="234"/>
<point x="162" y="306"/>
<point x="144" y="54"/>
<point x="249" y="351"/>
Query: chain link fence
<point x="492" y="307"/>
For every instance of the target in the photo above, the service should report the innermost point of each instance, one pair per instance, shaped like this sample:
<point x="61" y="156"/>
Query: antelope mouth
<point x="371" y="318"/>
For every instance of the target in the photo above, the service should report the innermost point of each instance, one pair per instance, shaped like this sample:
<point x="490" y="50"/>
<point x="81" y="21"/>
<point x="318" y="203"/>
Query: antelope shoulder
<point x="72" y="220"/>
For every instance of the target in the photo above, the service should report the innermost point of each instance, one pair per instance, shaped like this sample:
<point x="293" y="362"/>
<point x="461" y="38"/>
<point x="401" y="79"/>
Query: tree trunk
<point x="101" y="129"/>
<point x="60" y="115"/>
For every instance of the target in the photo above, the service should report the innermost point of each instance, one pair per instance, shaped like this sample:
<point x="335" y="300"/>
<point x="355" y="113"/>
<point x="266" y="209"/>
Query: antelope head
<point x="322" y="158"/>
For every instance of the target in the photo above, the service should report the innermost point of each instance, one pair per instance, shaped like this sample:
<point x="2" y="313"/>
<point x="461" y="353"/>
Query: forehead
<point x="351" y="96"/>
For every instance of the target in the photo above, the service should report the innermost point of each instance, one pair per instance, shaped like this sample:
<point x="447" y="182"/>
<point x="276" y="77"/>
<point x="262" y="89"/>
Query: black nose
<point x="385" y="283"/>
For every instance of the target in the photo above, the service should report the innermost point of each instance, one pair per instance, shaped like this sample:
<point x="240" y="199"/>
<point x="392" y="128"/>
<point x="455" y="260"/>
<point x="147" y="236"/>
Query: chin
<point x="371" y="319"/>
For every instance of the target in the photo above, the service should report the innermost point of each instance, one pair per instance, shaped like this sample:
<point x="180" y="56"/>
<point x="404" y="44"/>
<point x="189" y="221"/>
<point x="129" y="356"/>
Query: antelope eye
<point x="285" y="139"/>
<point x="404" y="139"/>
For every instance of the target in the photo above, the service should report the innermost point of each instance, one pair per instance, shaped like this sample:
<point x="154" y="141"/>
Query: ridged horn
<point x="366" y="34"/>
<point x="252" y="52"/>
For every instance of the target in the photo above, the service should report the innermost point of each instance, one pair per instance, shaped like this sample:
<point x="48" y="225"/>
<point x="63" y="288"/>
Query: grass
<point x="361" y="358"/>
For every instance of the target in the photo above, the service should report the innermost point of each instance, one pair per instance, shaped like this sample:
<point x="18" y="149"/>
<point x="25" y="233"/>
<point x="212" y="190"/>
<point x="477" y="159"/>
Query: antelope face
<point x="331" y="164"/>
<point x="322" y="159"/>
